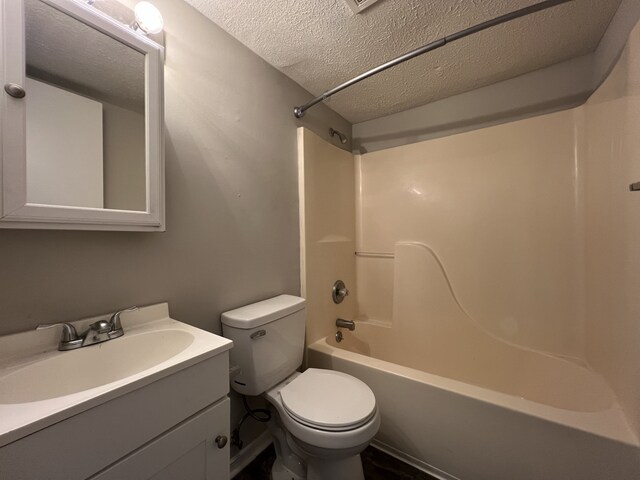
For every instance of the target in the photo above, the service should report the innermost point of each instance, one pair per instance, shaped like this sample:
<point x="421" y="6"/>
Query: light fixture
<point x="148" y="18"/>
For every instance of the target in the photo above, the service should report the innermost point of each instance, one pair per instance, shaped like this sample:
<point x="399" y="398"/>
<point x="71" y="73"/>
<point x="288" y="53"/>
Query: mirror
<point x="91" y="143"/>
<point x="85" y="114"/>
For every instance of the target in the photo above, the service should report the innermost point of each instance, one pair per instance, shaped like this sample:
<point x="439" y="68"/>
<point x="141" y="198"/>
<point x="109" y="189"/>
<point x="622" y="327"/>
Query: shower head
<point x="340" y="135"/>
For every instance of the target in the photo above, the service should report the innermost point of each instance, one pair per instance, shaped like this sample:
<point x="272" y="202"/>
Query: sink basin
<point x="40" y="386"/>
<point x="90" y="367"/>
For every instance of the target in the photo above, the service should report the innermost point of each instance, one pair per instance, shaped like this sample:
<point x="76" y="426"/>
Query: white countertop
<point x="21" y="351"/>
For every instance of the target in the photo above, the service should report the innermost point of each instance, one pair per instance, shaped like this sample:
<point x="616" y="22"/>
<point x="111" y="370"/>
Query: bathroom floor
<point x="377" y="465"/>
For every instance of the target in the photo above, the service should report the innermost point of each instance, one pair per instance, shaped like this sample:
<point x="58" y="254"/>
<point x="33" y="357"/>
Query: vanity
<point x="151" y="404"/>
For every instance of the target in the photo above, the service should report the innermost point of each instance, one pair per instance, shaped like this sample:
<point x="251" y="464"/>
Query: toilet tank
<point x="268" y="342"/>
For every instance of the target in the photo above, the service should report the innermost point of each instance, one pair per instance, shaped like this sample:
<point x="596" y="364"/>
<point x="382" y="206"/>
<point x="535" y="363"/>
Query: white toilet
<point x="324" y="418"/>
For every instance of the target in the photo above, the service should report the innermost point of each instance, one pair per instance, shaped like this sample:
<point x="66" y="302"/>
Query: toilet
<point x="323" y="419"/>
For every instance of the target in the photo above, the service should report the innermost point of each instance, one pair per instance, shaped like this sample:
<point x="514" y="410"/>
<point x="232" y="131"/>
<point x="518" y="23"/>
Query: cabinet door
<point x="188" y="451"/>
<point x="63" y="62"/>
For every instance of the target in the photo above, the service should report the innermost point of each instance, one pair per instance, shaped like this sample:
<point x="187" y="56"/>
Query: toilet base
<point x="288" y="464"/>
<point x="315" y="454"/>
<point x="296" y="460"/>
<point x="349" y="468"/>
<point x="280" y="472"/>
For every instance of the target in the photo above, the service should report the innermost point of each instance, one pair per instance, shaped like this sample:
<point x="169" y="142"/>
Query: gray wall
<point x="125" y="185"/>
<point x="232" y="200"/>
<point x="564" y="85"/>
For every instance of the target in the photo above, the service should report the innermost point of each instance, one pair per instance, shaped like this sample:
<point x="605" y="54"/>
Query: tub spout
<point x="341" y="323"/>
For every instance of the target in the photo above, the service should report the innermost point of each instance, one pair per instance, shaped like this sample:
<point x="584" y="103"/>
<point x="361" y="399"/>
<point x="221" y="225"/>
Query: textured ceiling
<point x="68" y="53"/>
<point x="320" y="43"/>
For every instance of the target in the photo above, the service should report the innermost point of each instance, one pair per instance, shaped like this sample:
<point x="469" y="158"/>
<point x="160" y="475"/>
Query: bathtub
<point x="505" y="414"/>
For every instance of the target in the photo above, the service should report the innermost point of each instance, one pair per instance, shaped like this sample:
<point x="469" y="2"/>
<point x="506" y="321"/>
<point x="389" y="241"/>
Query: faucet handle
<point x="339" y="291"/>
<point x="70" y="339"/>
<point x="115" y="319"/>
<point x="69" y="333"/>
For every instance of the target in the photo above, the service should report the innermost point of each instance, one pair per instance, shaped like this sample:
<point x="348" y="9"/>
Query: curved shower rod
<point x="523" y="12"/>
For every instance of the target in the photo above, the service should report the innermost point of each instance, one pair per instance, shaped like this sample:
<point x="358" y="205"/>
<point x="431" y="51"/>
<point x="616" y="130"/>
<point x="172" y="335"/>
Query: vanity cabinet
<point x="189" y="451"/>
<point x="175" y="428"/>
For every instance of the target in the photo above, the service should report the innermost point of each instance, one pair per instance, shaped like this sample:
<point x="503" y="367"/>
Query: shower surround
<point x="494" y="274"/>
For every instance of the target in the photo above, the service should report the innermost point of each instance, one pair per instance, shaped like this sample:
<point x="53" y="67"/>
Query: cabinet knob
<point x="15" y="90"/>
<point x="221" y="441"/>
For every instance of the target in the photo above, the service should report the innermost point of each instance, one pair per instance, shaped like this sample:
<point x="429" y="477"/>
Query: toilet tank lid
<point x="260" y="313"/>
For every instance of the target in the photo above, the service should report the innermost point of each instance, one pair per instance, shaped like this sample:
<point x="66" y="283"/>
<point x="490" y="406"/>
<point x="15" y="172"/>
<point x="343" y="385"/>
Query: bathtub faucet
<point x="341" y="323"/>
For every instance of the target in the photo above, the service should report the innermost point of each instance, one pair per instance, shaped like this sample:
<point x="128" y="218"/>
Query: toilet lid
<point x="328" y="400"/>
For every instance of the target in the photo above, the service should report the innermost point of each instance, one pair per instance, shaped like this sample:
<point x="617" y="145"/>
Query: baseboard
<point x="414" y="462"/>
<point x="245" y="456"/>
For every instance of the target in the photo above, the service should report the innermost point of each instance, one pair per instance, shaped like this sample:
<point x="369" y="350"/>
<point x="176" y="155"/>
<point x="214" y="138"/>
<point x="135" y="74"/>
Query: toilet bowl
<point x="328" y="418"/>
<point x="322" y="419"/>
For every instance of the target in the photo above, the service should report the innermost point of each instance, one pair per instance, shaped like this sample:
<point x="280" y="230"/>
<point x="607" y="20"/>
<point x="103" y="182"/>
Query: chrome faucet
<point x="341" y="323"/>
<point x="98" y="332"/>
<point x="116" y="326"/>
<point x="69" y="340"/>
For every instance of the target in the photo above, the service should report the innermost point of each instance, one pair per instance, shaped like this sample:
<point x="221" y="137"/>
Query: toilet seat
<point x="319" y="437"/>
<point x="328" y="400"/>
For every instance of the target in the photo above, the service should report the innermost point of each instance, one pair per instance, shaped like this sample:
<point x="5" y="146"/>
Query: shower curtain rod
<point x="299" y="111"/>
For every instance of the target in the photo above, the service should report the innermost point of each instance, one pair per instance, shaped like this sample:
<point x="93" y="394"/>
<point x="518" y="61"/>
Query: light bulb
<point x="148" y="18"/>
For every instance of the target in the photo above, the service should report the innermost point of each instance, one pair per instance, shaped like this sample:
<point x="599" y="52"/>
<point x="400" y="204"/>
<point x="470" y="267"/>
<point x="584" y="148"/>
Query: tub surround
<point x="502" y="210"/>
<point x="612" y="231"/>
<point x="326" y="181"/>
<point x="432" y="332"/>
